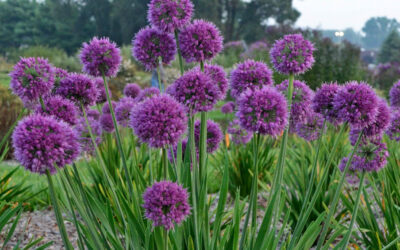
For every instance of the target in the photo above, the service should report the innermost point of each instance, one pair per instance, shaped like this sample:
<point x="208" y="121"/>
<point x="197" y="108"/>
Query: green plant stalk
<point x="255" y="181"/>
<point x="179" y="51"/>
<point x="165" y="163"/>
<point x="159" y="74"/>
<point x="42" y="104"/>
<point x="354" y="214"/>
<point x="165" y="239"/>
<point x="119" y="143"/>
<point x="337" y="195"/>
<point x="57" y="212"/>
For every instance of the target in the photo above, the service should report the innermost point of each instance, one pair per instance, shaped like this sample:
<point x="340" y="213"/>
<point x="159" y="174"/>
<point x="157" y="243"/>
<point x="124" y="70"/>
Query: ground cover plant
<point x="288" y="167"/>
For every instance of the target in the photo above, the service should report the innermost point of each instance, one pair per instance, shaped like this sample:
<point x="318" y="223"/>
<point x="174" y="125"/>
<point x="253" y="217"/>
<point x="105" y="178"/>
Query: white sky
<point x="341" y="14"/>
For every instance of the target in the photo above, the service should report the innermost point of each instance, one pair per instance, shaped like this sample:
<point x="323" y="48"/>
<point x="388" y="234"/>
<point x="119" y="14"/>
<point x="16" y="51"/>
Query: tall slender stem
<point x="42" y="104"/>
<point x="179" y="51"/>
<point x="57" y="212"/>
<point x="160" y="85"/>
<point x="119" y="143"/>
<point x="165" y="162"/>
<point x="165" y="239"/>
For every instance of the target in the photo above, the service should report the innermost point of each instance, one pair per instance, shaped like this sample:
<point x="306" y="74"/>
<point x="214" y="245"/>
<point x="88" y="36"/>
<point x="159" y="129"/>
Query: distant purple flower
<point x="166" y="204"/>
<point x="234" y="45"/>
<point x="147" y="93"/>
<point x="61" y="108"/>
<point x="218" y="76"/>
<point x="394" y="129"/>
<point x="370" y="156"/>
<point x="132" y="90"/>
<point x="106" y="123"/>
<point x="322" y="102"/>
<point x="106" y="107"/>
<point x="100" y="56"/>
<point x="239" y="135"/>
<point x="101" y="91"/>
<point x="32" y="78"/>
<point x="78" y="88"/>
<point x="41" y="142"/>
<point x="123" y="111"/>
<point x="301" y="101"/>
<point x="214" y="135"/>
<point x="249" y="75"/>
<point x="200" y="41"/>
<point x="357" y="104"/>
<point x="59" y="74"/>
<point x="173" y="158"/>
<point x="395" y="95"/>
<point x="93" y="114"/>
<point x="150" y="44"/>
<point x="311" y="128"/>
<point x="195" y="90"/>
<point x="257" y="49"/>
<point x="83" y="133"/>
<point x="159" y="121"/>
<point x="263" y="111"/>
<point x="228" y="108"/>
<point x="292" y="54"/>
<point x="170" y="15"/>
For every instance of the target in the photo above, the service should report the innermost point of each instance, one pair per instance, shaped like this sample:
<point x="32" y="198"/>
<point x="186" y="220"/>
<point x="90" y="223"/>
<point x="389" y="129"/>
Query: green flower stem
<point x="57" y="212"/>
<point x="119" y="143"/>
<point x="354" y="214"/>
<point x="159" y="74"/>
<point x="332" y="207"/>
<point x="179" y="51"/>
<point x="165" y="163"/>
<point x="165" y="239"/>
<point x="42" y="104"/>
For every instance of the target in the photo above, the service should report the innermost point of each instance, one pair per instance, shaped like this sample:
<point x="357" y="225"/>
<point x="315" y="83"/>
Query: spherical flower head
<point x="84" y="135"/>
<point x="292" y="54"/>
<point x="310" y="130"/>
<point x="173" y="158"/>
<point x="239" y="135"/>
<point x="150" y="44"/>
<point x="166" y="204"/>
<point x="41" y="143"/>
<point x="159" y="121"/>
<point x="100" y="56"/>
<point x="228" y="107"/>
<point x="106" y="107"/>
<point x="101" y="91"/>
<point x="214" y="135"/>
<point x="60" y="108"/>
<point x="59" y="74"/>
<point x="132" y="90"/>
<point x="200" y="41"/>
<point x="250" y="75"/>
<point x="322" y="102"/>
<point x="357" y="104"/>
<point x="195" y="90"/>
<point x="93" y="113"/>
<point x="394" y="95"/>
<point x="78" y="88"/>
<point x="370" y="156"/>
<point x="218" y="76"/>
<point x="106" y="123"/>
<point x="301" y="101"/>
<point x="147" y="93"/>
<point x="32" y="78"/>
<point x="123" y="111"/>
<point x="263" y="111"/>
<point x="170" y="15"/>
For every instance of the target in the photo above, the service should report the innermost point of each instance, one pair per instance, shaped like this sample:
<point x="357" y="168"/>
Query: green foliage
<point x="390" y="50"/>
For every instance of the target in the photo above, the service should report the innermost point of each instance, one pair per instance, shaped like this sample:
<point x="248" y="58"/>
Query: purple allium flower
<point x="147" y="93"/>
<point x="394" y="95"/>
<point x="170" y="15"/>
<point x="106" y="123"/>
<point x="59" y="74"/>
<point x="78" y="88"/>
<point x="159" y="121"/>
<point x="239" y="135"/>
<point x="249" y="75"/>
<point x="84" y="135"/>
<point x="123" y="111"/>
<point x="228" y="107"/>
<point x="357" y="104"/>
<point x="132" y="90"/>
<point x="166" y="204"/>
<point x="100" y="56"/>
<point x="263" y="111"/>
<point x="218" y="76"/>
<point x="61" y="108"/>
<point x="301" y="101"/>
<point x="172" y="158"/>
<point x="41" y="143"/>
<point x="292" y="54"/>
<point x="150" y="44"/>
<point x="369" y="156"/>
<point x="393" y="130"/>
<point x="32" y="78"/>
<point x="195" y="90"/>
<point x="234" y="45"/>
<point x="322" y="102"/>
<point x="95" y="114"/>
<point x="200" y="41"/>
<point x="101" y="91"/>
<point x="311" y="128"/>
<point x="106" y="107"/>
<point x="214" y="135"/>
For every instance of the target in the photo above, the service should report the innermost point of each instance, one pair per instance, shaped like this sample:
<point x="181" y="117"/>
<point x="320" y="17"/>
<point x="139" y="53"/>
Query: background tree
<point x="390" y="50"/>
<point x="376" y="29"/>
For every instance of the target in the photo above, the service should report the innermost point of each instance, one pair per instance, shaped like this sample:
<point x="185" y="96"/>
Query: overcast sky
<point x="341" y="14"/>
